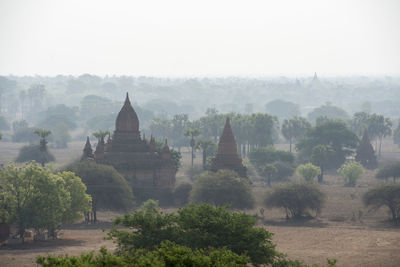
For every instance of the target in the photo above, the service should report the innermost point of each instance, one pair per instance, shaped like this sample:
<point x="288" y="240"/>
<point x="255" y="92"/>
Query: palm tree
<point x="192" y="133"/>
<point x="208" y="147"/>
<point x="43" y="134"/>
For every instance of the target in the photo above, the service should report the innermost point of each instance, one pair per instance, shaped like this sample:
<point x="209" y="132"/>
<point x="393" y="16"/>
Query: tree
<point x="295" y="129"/>
<point x="320" y="156"/>
<point x="282" y="108"/>
<point x="268" y="171"/>
<point x="379" y="127"/>
<point x="167" y="254"/>
<point x="389" y="170"/>
<point x="80" y="201"/>
<point x="223" y="187"/>
<point x="179" y="124"/>
<point x="4" y="125"/>
<point x="209" y="149"/>
<point x="33" y="153"/>
<point x="308" y="171"/>
<point x="385" y="195"/>
<point x="334" y="133"/>
<point x="365" y="153"/>
<point x="396" y="134"/>
<point x="296" y="199"/>
<point x="197" y="227"/>
<point x="351" y="171"/>
<point x="265" y="155"/>
<point x="108" y="189"/>
<point x="99" y="135"/>
<point x="43" y="134"/>
<point x="192" y="133"/>
<point x="182" y="193"/>
<point x="331" y="112"/>
<point x="36" y="198"/>
<point x="61" y="136"/>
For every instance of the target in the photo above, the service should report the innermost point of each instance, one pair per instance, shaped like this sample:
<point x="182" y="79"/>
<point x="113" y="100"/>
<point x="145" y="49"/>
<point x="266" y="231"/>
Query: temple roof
<point x="227" y="143"/>
<point x="127" y="120"/>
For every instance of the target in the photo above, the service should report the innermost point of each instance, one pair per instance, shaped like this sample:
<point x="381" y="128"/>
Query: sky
<point x="199" y="38"/>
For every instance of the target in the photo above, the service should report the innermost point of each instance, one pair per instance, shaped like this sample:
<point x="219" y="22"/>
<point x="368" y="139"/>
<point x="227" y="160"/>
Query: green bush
<point x="168" y="254"/>
<point x="266" y="155"/>
<point x="351" y="171"/>
<point x="391" y="170"/>
<point x="308" y="171"/>
<point x="385" y="195"/>
<point x="32" y="153"/>
<point x="108" y="188"/>
<point x="182" y="193"/>
<point x="297" y="199"/>
<point x="197" y="227"/>
<point x="224" y="187"/>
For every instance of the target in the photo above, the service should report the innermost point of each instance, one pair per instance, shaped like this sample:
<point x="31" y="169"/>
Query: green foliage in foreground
<point x="33" y="197"/>
<point x="296" y="199"/>
<point x="168" y="254"/>
<point x="196" y="227"/>
<point x="385" y="195"/>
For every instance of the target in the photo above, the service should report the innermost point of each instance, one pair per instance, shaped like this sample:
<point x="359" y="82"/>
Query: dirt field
<point x="345" y="229"/>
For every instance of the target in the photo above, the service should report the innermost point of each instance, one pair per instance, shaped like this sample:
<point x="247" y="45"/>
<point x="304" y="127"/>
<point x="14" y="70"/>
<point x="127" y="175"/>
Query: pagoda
<point x="365" y="153"/>
<point x="227" y="156"/>
<point x="144" y="168"/>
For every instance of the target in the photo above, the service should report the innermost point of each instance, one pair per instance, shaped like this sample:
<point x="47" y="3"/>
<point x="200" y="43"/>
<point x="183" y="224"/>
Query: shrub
<point x="197" y="227"/>
<point x="284" y="170"/>
<point x="308" y="171"/>
<point x="108" y="188"/>
<point x="385" y="195"/>
<point x="33" y="153"/>
<point x="389" y="170"/>
<point x="24" y="134"/>
<point x="296" y="199"/>
<point x="182" y="193"/>
<point x="168" y="254"/>
<point x="351" y="171"/>
<point x="224" y="187"/>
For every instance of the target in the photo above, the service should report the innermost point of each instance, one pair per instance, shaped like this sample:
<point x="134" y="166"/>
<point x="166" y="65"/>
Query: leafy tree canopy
<point x="333" y="133"/>
<point x="331" y="112"/>
<point x="265" y="155"/>
<point x="34" y="197"/>
<point x="390" y="170"/>
<point x="351" y="171"/>
<point x="197" y="227"/>
<point x="296" y="199"/>
<point x="223" y="187"/>
<point x="282" y="108"/>
<point x="385" y="195"/>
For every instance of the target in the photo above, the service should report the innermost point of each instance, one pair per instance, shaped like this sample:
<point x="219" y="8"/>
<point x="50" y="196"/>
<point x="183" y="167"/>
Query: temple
<point x="146" y="169"/>
<point x="227" y="156"/>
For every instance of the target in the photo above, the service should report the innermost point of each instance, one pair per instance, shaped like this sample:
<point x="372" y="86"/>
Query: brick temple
<point x="227" y="156"/>
<point x="134" y="157"/>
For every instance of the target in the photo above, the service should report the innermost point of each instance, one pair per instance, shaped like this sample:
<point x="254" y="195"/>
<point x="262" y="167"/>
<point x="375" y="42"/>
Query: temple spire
<point x="227" y="143"/>
<point x="87" y="150"/>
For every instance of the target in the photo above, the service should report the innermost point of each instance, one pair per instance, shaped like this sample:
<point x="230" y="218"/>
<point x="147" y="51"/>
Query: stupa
<point x="227" y="156"/>
<point x="137" y="160"/>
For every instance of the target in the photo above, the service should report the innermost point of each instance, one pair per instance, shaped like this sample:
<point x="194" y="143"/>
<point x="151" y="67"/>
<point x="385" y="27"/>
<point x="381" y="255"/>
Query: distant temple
<point x="227" y="156"/>
<point x="136" y="159"/>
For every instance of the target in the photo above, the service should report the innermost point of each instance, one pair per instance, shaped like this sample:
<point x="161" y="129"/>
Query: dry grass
<point x="344" y="230"/>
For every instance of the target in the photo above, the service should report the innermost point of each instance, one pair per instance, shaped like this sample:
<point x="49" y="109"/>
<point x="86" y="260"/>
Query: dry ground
<point x="344" y="230"/>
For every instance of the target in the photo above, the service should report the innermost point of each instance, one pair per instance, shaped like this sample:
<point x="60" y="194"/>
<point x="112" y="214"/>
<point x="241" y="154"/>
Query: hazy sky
<point x="197" y="38"/>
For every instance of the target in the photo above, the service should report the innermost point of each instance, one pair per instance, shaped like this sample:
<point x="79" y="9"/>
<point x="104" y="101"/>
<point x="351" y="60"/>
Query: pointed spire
<point x="87" y="150"/>
<point x="127" y="119"/>
<point x="227" y="142"/>
<point x="166" y="147"/>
